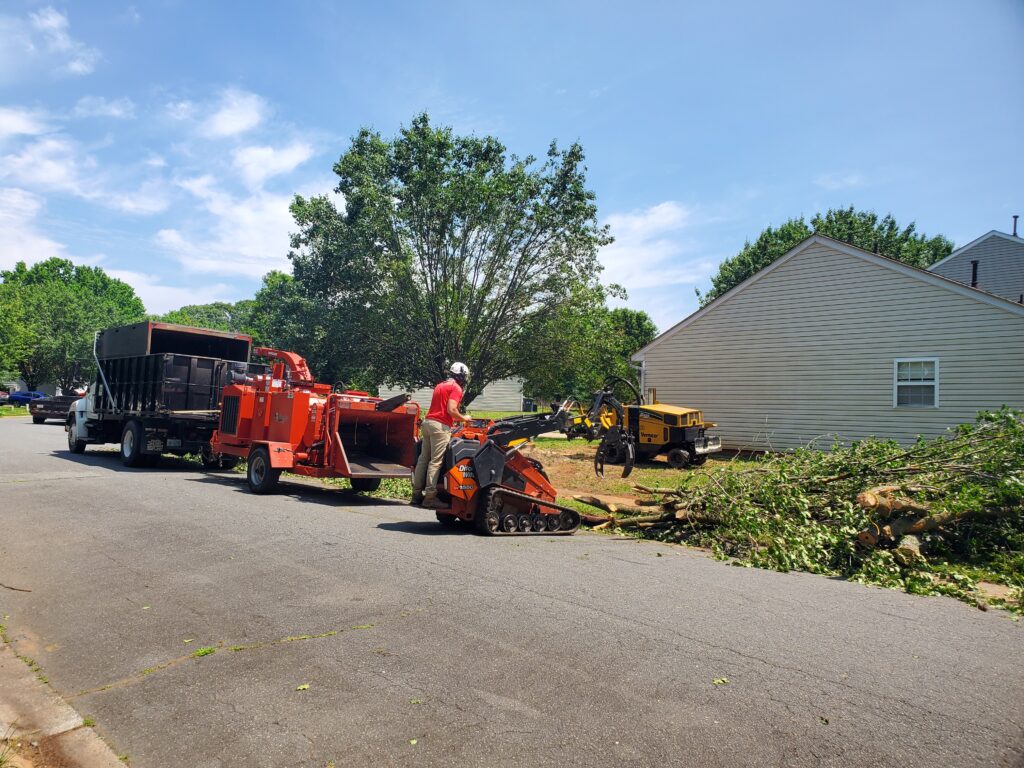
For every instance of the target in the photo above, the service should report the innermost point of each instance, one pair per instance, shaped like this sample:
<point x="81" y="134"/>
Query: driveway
<point x="424" y="646"/>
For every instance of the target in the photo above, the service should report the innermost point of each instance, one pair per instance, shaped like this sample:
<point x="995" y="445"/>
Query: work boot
<point x="432" y="502"/>
<point x="417" y="498"/>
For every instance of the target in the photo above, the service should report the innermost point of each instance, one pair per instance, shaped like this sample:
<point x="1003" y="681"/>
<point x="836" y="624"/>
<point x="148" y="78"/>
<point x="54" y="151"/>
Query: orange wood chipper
<point x="284" y="420"/>
<point x="492" y="485"/>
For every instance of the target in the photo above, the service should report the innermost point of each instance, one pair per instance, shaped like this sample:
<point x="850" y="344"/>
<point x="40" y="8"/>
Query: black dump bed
<point x="151" y="338"/>
<point x="164" y="369"/>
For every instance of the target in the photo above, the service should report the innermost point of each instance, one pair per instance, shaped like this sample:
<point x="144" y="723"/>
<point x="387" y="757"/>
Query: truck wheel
<point x="74" y="444"/>
<point x="365" y="484"/>
<point x="261" y="476"/>
<point x="678" y="458"/>
<point x="38" y="419"/>
<point x="131" y="444"/>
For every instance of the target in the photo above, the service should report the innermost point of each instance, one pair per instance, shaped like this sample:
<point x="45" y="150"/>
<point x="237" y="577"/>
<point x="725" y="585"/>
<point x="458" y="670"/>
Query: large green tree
<point x="49" y="313"/>
<point x="447" y="248"/>
<point x="863" y="229"/>
<point x="577" y="349"/>
<point x="219" y="315"/>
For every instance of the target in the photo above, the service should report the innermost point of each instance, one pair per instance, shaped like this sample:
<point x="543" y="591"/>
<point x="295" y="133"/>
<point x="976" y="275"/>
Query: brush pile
<point x="933" y="518"/>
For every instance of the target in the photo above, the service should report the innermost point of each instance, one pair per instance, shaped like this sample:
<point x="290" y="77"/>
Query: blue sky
<point x="163" y="141"/>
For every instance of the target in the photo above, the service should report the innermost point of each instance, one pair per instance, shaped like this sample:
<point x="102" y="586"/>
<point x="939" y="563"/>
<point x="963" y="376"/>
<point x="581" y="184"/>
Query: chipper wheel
<point x="261" y="476"/>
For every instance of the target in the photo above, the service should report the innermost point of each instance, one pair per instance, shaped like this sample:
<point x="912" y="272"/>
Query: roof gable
<point x="849" y="250"/>
<point x="978" y="241"/>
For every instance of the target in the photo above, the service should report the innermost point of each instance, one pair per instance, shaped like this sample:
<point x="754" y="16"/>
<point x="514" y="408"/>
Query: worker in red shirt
<point x="435" y="433"/>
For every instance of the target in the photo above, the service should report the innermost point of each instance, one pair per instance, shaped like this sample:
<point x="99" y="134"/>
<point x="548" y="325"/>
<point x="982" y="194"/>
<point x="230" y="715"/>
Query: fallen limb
<point x="903" y="526"/>
<point x="654" y="490"/>
<point x="595" y="520"/>
<point x="881" y="501"/>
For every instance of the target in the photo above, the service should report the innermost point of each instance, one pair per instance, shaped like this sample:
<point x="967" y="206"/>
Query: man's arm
<point x="453" y="411"/>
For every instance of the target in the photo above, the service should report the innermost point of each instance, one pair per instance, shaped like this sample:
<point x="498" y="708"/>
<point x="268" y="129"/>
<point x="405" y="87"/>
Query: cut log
<point x="903" y="526"/>
<point x="629" y="522"/>
<point x="908" y="551"/>
<point x="600" y="503"/>
<point x="649" y="489"/>
<point x="881" y="501"/>
<point x="595" y="520"/>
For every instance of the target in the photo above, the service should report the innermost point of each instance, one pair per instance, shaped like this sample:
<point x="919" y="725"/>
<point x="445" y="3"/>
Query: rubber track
<point x="534" y="500"/>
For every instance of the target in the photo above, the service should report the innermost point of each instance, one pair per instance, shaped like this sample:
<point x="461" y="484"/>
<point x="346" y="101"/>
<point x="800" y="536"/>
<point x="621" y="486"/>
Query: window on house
<point x="916" y="383"/>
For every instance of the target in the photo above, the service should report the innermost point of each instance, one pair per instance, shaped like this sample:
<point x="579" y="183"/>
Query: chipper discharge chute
<point x="285" y="420"/>
<point x="493" y="486"/>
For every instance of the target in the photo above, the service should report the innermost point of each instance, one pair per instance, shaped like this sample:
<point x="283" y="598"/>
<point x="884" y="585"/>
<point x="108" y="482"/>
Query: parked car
<point x="24" y="398"/>
<point x="4" y="397"/>
<point x="56" y="407"/>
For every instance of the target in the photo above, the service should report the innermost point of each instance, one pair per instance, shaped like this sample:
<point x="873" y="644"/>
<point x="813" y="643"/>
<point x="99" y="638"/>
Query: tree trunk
<point x="913" y="525"/>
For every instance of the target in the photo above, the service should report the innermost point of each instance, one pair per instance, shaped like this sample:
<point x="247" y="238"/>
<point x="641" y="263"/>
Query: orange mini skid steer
<point x="285" y="420"/>
<point x="493" y="486"/>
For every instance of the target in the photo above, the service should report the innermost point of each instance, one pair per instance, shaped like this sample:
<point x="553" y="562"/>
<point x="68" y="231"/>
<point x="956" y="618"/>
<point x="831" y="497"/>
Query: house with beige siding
<point x="503" y="395"/>
<point x="993" y="263"/>
<point x="833" y="342"/>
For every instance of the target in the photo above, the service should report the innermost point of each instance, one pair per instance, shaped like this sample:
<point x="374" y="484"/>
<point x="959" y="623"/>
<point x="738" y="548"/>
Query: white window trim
<point x="896" y="383"/>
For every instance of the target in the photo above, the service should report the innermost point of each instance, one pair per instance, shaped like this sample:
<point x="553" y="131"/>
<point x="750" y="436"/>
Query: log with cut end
<point x="908" y="551"/>
<point x="903" y="526"/>
<point x="881" y="501"/>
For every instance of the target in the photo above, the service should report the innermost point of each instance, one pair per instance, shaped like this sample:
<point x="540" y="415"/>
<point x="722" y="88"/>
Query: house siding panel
<point x="503" y="395"/>
<point x="806" y="354"/>
<point x="1000" y="266"/>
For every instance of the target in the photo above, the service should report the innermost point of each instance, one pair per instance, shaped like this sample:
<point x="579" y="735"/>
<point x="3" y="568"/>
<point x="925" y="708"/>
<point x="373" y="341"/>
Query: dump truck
<point x="284" y="420"/>
<point x="158" y="390"/>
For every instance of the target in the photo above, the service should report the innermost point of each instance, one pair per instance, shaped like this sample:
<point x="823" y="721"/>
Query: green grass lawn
<point x="7" y="411"/>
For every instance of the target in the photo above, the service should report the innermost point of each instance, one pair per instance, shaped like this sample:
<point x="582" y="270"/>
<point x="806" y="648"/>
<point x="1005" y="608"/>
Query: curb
<point x="32" y="712"/>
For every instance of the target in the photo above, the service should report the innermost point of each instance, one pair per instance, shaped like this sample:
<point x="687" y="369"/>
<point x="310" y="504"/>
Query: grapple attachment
<point x="616" y="447"/>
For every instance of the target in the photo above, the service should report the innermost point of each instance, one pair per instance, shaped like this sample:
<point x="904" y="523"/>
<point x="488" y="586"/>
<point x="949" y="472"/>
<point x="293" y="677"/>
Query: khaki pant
<point x="435" y="437"/>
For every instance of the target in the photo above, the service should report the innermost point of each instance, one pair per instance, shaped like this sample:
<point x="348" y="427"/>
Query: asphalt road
<point x="451" y="649"/>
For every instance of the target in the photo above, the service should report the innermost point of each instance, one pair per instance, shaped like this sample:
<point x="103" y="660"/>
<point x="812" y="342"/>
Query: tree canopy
<point x="219" y="315"/>
<point x="863" y="229"/>
<point x="49" y="313"/>
<point x="447" y="248"/>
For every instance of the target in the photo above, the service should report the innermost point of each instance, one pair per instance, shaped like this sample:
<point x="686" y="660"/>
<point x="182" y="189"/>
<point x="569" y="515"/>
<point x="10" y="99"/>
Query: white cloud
<point x="57" y="164"/>
<point x="159" y="297"/>
<point x="648" y="251"/>
<point x="183" y="109"/>
<point x="52" y="25"/>
<point x="16" y="121"/>
<point x="834" y="181"/>
<point x="249" y="235"/>
<point x="20" y="239"/>
<point x="257" y="164"/>
<point x="238" y="112"/>
<point x="51" y="163"/>
<point x="151" y="196"/>
<point x="97" y="106"/>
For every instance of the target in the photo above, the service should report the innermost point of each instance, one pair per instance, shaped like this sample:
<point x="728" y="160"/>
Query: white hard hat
<point x="459" y="370"/>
